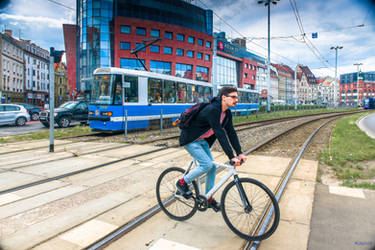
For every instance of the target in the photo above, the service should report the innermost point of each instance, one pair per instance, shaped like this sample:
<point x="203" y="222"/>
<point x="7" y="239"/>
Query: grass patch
<point x="285" y="112"/>
<point x="359" y="185"/>
<point x="73" y="131"/>
<point x="350" y="153"/>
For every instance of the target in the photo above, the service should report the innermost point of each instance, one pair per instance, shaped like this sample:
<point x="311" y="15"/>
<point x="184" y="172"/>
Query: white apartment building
<point x="11" y="69"/>
<point x="36" y="73"/>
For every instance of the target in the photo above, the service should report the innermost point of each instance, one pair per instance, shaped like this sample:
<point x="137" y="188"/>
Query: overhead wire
<point x="264" y="48"/>
<point x="63" y="5"/>
<point x="307" y="41"/>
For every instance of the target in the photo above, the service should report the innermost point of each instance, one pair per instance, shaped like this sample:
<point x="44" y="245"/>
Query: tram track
<point x="64" y="158"/>
<point x="280" y="188"/>
<point x="57" y="145"/>
<point x="142" y="218"/>
<point x="58" y="177"/>
<point x="255" y="124"/>
<point x="146" y="215"/>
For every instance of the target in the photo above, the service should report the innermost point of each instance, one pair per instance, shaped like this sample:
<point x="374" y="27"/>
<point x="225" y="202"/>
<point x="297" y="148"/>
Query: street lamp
<point x="268" y="4"/>
<point x="363" y="90"/>
<point x="334" y="86"/>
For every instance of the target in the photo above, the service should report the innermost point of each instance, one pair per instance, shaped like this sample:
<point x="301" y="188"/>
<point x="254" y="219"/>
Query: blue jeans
<point x="200" y="151"/>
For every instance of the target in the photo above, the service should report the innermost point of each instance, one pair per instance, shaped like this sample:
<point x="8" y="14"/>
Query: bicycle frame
<point x="232" y="172"/>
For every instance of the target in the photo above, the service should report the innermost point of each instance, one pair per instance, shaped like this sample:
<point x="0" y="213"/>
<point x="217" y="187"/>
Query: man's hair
<point x="226" y="90"/>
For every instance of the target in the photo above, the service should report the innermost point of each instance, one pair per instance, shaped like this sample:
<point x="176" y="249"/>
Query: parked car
<point x="13" y="114"/>
<point x="67" y="113"/>
<point x="33" y="110"/>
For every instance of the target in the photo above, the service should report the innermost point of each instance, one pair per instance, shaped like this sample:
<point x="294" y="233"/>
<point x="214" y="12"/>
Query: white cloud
<point x="36" y="21"/>
<point x="331" y="19"/>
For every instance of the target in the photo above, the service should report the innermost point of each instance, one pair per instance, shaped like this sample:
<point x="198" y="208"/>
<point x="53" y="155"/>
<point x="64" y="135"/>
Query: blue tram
<point x="369" y="103"/>
<point x="139" y="99"/>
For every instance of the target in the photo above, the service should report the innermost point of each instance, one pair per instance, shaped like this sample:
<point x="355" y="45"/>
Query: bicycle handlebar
<point x="232" y="162"/>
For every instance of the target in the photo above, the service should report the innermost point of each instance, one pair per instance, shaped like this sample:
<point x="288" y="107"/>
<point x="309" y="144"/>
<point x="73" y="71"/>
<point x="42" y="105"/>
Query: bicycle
<point x="242" y="200"/>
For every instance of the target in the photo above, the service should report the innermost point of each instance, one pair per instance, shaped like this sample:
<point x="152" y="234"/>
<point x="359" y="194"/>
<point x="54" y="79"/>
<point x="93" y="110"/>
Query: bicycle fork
<point x="245" y="202"/>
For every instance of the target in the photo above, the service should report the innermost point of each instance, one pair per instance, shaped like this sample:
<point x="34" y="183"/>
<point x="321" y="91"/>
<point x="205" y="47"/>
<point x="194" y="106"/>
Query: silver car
<point x="13" y="114"/>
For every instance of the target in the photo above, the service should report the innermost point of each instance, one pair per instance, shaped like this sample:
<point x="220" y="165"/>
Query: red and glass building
<point x="108" y="30"/>
<point x="354" y="87"/>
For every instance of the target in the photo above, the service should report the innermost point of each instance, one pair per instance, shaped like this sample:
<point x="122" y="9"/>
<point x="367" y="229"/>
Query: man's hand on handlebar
<point x="242" y="158"/>
<point x="235" y="162"/>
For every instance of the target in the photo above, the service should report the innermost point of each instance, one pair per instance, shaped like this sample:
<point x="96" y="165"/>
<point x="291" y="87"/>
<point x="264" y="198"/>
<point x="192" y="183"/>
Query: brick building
<point x="107" y="32"/>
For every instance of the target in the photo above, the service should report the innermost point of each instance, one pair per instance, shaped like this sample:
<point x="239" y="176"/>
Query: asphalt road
<point x="368" y="123"/>
<point x="32" y="126"/>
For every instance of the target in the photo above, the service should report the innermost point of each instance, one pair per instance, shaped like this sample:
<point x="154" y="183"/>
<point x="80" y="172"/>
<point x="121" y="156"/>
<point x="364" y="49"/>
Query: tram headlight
<point x="91" y="112"/>
<point x="106" y="113"/>
<point x="55" y="114"/>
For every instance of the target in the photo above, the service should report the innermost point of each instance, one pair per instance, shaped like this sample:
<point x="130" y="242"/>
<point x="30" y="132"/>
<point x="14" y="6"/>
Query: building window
<point x="200" y="42"/>
<point x="245" y="75"/>
<point x="139" y="45"/>
<point x="154" y="48"/>
<point x="246" y="66"/>
<point x="191" y="39"/>
<point x="155" y="33"/>
<point x="201" y="74"/>
<point x="125" y="45"/>
<point x="125" y="29"/>
<point x="190" y="53"/>
<point x="207" y="57"/>
<point x="140" y="31"/>
<point x="226" y="71"/>
<point x="184" y="70"/>
<point x="168" y="50"/>
<point x="180" y="52"/>
<point x="126" y="63"/>
<point x="168" y="35"/>
<point x="208" y="44"/>
<point x="180" y="37"/>
<point x="199" y="55"/>
<point x="160" y="67"/>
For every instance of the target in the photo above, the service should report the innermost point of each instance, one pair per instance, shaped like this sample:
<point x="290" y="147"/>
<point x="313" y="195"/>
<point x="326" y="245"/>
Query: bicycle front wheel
<point x="247" y="222"/>
<point x="169" y="198"/>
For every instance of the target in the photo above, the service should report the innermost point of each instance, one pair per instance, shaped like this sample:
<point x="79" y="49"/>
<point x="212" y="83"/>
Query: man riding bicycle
<point x="213" y="121"/>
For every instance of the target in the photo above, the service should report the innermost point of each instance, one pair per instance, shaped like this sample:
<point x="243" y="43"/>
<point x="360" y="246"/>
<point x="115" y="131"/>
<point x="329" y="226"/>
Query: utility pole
<point x="363" y="90"/>
<point x="334" y="86"/>
<point x="295" y="89"/>
<point x="268" y="4"/>
<point x="51" y="100"/>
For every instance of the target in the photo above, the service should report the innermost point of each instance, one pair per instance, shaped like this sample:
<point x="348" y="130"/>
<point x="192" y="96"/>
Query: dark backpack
<point x="188" y="115"/>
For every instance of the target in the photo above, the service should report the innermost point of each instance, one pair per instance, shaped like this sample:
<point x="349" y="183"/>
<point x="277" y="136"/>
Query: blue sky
<point x="335" y="21"/>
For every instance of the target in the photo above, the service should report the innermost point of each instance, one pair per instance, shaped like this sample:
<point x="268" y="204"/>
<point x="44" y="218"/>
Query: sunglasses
<point x="232" y="96"/>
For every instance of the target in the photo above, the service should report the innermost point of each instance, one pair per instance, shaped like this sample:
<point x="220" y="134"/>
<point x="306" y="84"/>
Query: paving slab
<point x="36" y="201"/>
<point x="29" y="192"/>
<point x="341" y="220"/>
<point x="36" y="233"/>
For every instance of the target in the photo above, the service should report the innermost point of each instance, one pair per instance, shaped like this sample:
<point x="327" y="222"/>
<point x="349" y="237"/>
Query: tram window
<point x="181" y="92"/>
<point x="131" y="94"/>
<point x="101" y="89"/>
<point x="207" y="94"/>
<point x="170" y="91"/>
<point x="200" y="93"/>
<point x="117" y="85"/>
<point x="190" y="93"/>
<point x="155" y="90"/>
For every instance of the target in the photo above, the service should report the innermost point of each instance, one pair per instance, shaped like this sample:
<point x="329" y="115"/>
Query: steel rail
<point x="76" y="172"/>
<point x="61" y="158"/>
<point x="280" y="189"/>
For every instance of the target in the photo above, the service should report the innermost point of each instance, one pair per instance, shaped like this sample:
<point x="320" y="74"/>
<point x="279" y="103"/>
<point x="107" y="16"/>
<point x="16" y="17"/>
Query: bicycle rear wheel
<point x="246" y="224"/>
<point x="169" y="198"/>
